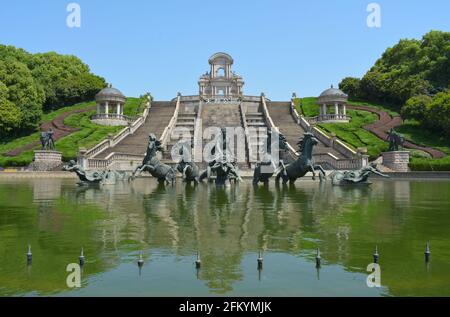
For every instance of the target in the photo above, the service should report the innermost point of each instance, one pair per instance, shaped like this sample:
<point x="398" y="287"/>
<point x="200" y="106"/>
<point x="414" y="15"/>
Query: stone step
<point x="257" y="114"/>
<point x="256" y="124"/>
<point x="180" y="124"/>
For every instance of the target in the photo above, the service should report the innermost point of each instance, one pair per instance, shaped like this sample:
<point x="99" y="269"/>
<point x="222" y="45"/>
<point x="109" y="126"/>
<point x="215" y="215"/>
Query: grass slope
<point x="89" y="134"/>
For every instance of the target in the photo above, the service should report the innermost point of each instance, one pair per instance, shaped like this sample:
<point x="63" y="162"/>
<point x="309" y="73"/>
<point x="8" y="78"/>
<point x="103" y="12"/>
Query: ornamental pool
<point x="228" y="227"/>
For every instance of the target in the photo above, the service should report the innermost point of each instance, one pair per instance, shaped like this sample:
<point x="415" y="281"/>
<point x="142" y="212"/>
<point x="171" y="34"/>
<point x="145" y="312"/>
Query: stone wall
<point x="46" y="160"/>
<point x="397" y="161"/>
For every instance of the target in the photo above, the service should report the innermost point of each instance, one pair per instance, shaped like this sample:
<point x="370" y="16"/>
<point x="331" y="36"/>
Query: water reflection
<point x="228" y="227"/>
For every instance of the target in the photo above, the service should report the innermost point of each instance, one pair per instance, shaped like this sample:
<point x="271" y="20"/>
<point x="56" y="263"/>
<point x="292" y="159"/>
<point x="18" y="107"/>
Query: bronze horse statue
<point x="152" y="165"/>
<point x="223" y="165"/>
<point x="265" y="169"/>
<point x="189" y="170"/>
<point x="304" y="164"/>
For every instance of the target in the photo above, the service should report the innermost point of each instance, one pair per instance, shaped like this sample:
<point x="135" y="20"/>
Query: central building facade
<point x="220" y="81"/>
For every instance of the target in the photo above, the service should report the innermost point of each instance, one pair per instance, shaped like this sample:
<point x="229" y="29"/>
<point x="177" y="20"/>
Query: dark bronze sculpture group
<point x="223" y="166"/>
<point x="47" y="141"/>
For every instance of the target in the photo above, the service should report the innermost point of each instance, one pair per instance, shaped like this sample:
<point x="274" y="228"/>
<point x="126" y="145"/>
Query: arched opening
<point x="220" y="72"/>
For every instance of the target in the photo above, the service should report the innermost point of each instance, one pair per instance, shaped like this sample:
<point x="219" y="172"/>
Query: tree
<point x="352" y="87"/>
<point x="23" y="92"/>
<point x="10" y="115"/>
<point x="439" y="112"/>
<point x="416" y="108"/>
<point x="408" y="69"/>
<point x="33" y="83"/>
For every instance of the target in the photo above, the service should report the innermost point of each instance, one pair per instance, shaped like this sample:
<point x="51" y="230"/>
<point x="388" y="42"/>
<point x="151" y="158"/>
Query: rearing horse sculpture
<point x="303" y="164"/>
<point x="185" y="166"/>
<point x="265" y="169"/>
<point x="224" y="164"/>
<point x="151" y="163"/>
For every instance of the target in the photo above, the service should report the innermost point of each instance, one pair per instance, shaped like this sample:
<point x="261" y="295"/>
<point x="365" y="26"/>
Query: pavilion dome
<point x="332" y="94"/>
<point x="110" y="93"/>
<point x="221" y="56"/>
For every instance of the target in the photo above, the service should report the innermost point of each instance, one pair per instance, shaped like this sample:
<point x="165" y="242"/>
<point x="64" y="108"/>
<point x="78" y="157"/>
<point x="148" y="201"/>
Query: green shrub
<point x="422" y="164"/>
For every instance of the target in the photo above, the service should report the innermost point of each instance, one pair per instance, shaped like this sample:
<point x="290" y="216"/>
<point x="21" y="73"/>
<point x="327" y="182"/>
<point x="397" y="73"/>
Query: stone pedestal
<point x="397" y="161"/>
<point x="46" y="161"/>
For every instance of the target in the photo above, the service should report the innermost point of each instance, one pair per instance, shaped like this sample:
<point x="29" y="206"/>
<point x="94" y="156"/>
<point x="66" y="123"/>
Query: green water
<point x="228" y="227"/>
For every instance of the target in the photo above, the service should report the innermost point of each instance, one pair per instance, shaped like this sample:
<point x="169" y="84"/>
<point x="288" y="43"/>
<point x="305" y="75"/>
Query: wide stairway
<point x="280" y="113"/>
<point x="185" y="124"/>
<point x="222" y="116"/>
<point x="158" y="119"/>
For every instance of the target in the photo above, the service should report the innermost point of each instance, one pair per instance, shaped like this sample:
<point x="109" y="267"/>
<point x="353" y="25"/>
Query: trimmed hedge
<point x="423" y="164"/>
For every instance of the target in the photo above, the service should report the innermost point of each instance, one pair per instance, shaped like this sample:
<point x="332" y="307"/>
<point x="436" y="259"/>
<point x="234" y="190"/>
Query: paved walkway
<point x="381" y="128"/>
<point x="58" y="127"/>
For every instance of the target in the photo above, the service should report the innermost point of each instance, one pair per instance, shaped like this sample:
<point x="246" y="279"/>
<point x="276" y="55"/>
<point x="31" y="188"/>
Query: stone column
<point x="344" y="109"/>
<point x="336" y="109"/>
<point x="106" y="109"/>
<point x="118" y="109"/>
<point x="324" y="109"/>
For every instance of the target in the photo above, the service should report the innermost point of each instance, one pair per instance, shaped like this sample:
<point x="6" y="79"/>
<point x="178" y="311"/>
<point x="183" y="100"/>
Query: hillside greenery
<point x="89" y="134"/>
<point x="411" y="78"/>
<point x="34" y="84"/>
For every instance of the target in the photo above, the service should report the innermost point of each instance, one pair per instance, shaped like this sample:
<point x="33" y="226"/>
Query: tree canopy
<point x="31" y="84"/>
<point x="410" y="68"/>
<point x="414" y="77"/>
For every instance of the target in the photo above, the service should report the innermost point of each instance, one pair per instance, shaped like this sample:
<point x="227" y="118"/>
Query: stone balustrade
<point x="86" y="157"/>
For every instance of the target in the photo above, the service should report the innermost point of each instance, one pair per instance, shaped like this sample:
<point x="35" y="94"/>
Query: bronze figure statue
<point x="223" y="166"/>
<point x="395" y="140"/>
<point x="47" y="141"/>
<point x="358" y="177"/>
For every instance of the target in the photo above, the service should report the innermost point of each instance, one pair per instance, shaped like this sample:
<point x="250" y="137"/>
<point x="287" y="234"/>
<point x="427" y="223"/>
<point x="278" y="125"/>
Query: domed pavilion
<point x="335" y="98"/>
<point x="110" y="104"/>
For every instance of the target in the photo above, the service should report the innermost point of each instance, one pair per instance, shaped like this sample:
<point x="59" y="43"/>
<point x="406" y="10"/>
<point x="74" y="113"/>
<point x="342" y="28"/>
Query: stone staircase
<point x="185" y="122"/>
<point x="280" y="112"/>
<point x="257" y="136"/>
<point x="159" y="117"/>
<point x="222" y="116"/>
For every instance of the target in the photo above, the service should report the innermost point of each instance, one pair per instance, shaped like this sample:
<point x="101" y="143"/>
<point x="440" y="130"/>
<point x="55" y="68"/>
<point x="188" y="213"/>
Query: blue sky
<point x="163" y="46"/>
